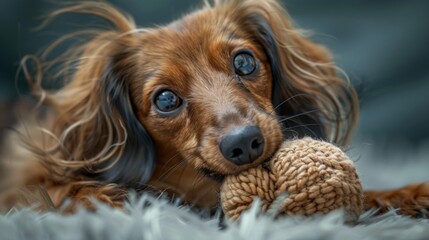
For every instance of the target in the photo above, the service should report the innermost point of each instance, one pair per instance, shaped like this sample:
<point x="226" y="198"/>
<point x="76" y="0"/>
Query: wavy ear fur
<point x="308" y="96"/>
<point x="136" y="163"/>
<point x="95" y="131"/>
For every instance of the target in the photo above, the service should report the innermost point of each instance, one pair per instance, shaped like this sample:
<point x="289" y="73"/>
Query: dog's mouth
<point x="218" y="177"/>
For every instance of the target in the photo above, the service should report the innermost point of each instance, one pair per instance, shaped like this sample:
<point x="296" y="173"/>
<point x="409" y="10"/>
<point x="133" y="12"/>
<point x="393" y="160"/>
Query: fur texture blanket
<point x="151" y="218"/>
<point x="147" y="217"/>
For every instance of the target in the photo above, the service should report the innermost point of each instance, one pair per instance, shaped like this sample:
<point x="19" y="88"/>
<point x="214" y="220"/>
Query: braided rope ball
<point x="304" y="177"/>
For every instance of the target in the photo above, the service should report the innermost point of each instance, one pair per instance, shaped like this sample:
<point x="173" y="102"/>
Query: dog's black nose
<point x="242" y="145"/>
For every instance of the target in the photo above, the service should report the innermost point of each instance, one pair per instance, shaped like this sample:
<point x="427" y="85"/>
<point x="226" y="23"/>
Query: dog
<point x="173" y="109"/>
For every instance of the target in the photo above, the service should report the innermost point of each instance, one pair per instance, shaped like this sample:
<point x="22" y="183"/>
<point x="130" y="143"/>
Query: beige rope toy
<point x="304" y="177"/>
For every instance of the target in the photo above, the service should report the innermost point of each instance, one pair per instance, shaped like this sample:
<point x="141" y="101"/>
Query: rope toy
<point x="304" y="177"/>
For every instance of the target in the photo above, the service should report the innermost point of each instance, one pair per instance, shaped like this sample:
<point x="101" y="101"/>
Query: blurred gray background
<point x="382" y="45"/>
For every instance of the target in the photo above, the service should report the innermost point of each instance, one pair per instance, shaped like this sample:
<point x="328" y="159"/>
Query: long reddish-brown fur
<point x="100" y="133"/>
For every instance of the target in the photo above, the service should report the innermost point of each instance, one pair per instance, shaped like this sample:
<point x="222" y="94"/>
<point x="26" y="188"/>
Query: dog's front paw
<point x="412" y="200"/>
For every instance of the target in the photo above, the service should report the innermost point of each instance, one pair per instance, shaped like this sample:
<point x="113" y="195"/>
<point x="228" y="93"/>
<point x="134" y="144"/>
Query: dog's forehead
<point x="194" y="35"/>
<point x="206" y="21"/>
<point x="188" y="45"/>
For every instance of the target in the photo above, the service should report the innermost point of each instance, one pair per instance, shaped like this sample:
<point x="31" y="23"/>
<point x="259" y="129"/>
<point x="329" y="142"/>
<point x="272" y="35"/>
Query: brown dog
<point x="173" y="108"/>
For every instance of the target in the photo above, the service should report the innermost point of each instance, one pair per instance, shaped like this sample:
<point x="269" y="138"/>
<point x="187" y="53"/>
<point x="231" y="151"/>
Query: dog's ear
<point x="134" y="163"/>
<point x="95" y="130"/>
<point x="99" y="126"/>
<point x="307" y="94"/>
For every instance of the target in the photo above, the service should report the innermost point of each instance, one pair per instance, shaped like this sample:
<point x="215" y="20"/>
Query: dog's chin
<point x="209" y="173"/>
<point x="219" y="176"/>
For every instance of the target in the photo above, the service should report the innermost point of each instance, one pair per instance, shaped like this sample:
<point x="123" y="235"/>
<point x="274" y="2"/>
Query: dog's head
<point x="217" y="90"/>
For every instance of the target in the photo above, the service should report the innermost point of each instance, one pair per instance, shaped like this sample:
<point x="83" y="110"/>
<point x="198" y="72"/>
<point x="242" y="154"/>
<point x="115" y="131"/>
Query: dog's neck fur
<point x="188" y="185"/>
<point x="182" y="180"/>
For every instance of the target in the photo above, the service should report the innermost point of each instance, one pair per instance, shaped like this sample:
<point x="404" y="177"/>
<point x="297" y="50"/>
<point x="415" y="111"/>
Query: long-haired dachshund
<point x="173" y="108"/>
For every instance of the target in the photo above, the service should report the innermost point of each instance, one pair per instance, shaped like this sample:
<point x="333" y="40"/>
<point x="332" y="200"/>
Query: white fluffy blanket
<point x="153" y="218"/>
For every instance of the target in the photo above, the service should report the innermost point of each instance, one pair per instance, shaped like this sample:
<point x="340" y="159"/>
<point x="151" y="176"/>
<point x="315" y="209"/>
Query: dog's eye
<point x="244" y="64"/>
<point x="167" y="101"/>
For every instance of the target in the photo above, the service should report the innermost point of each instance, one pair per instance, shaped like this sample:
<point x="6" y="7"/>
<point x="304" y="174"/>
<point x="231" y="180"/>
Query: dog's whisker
<point x="197" y="179"/>
<point x="171" y="170"/>
<point x="174" y="157"/>
<point x="287" y="100"/>
<point x="160" y="187"/>
<point x="174" y="167"/>
<point x="181" y="173"/>
<point x="300" y="124"/>
<point x="284" y="119"/>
